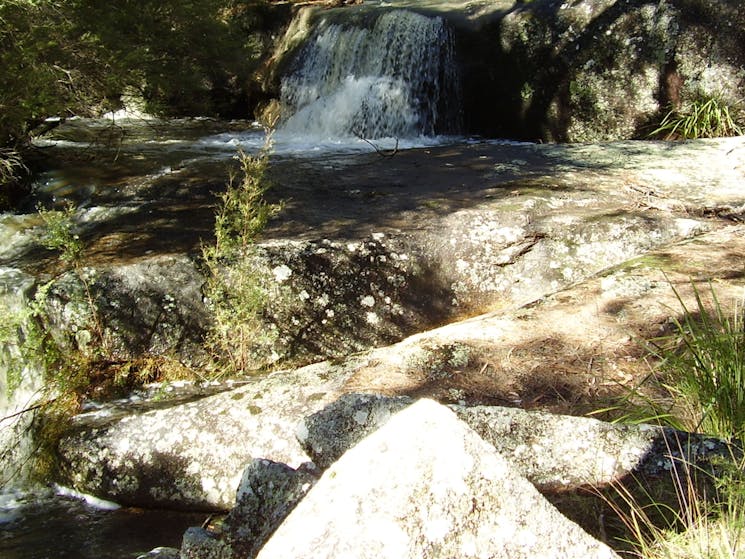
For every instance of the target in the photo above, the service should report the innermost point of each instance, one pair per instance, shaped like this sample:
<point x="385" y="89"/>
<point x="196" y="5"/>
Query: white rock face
<point x="426" y="485"/>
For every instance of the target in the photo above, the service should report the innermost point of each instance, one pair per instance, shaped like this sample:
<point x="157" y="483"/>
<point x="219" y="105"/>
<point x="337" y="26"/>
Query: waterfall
<point x="395" y="78"/>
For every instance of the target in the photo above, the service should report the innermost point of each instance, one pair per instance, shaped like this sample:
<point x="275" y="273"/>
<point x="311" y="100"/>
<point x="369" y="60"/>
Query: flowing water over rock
<point x="396" y="78"/>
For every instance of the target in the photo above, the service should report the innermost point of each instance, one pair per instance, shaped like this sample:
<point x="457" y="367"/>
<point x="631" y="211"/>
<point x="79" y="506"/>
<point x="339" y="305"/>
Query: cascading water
<point x="397" y="78"/>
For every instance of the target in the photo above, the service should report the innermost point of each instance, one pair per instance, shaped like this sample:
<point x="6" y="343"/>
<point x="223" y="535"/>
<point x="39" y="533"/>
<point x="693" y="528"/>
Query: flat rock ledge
<point x="191" y="456"/>
<point x="423" y="485"/>
<point x="390" y="477"/>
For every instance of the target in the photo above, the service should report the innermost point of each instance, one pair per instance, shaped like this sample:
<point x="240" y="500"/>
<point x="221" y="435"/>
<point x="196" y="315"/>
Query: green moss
<point x="648" y="261"/>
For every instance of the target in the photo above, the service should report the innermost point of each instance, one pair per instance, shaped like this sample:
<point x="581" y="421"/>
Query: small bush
<point x="702" y="369"/>
<point x="236" y="288"/>
<point x="705" y="367"/>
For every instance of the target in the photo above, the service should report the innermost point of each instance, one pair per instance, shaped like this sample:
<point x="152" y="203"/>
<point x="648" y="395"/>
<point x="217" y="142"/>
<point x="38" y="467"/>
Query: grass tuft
<point x="705" y="366"/>
<point x="707" y="117"/>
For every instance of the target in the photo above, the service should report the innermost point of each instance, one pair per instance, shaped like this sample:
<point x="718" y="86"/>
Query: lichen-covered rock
<point x="555" y="452"/>
<point x="152" y="307"/>
<point x="266" y="496"/>
<point x="333" y="298"/>
<point x="191" y="456"/>
<point x="200" y="543"/>
<point x="425" y="485"/>
<point x="330" y="432"/>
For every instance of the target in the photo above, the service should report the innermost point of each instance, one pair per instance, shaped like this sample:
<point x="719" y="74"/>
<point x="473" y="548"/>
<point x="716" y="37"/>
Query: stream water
<point x="50" y="523"/>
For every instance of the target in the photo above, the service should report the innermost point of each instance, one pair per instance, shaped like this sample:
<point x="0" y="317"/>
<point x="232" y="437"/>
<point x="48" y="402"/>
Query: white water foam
<point x="90" y="500"/>
<point x="396" y="79"/>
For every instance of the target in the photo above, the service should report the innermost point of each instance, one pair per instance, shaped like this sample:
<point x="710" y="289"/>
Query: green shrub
<point x="236" y="287"/>
<point x="702" y="370"/>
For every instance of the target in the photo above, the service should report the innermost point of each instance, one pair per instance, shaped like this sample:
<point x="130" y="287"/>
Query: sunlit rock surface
<point x="554" y="452"/>
<point x="425" y="485"/>
<point x="191" y="456"/>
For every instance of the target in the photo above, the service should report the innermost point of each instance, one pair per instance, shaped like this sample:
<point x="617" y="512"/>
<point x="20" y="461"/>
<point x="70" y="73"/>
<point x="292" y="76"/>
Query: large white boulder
<point x="426" y="485"/>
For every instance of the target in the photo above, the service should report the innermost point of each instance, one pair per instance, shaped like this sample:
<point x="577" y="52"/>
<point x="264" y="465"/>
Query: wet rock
<point x="425" y="485"/>
<point x="162" y="553"/>
<point x="21" y="379"/>
<point x="191" y="456"/>
<point x="554" y="452"/>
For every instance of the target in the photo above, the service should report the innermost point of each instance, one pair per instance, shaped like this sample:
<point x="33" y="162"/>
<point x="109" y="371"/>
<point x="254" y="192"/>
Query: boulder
<point x="151" y="307"/>
<point x="334" y="298"/>
<point x="554" y="452"/>
<point x="191" y="456"/>
<point x="266" y="495"/>
<point x="200" y="543"/>
<point x="426" y="485"/>
<point x="583" y="71"/>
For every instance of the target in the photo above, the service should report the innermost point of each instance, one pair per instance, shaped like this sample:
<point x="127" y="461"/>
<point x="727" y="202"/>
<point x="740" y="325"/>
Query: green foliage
<point x="26" y="332"/>
<point x="49" y="67"/>
<point x="243" y="212"/>
<point x="183" y="57"/>
<point x="77" y="57"/>
<point x="699" y="382"/>
<point x="706" y="366"/>
<point x="59" y="234"/>
<point x="28" y="344"/>
<point x="707" y="117"/>
<point x="237" y="290"/>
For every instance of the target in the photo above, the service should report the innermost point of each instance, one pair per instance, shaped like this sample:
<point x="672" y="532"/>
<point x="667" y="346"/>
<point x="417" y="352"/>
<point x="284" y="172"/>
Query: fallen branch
<point x="28" y="409"/>
<point x="380" y="152"/>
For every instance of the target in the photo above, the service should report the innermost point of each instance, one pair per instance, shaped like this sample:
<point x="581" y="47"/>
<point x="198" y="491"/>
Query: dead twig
<point x="380" y="152"/>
